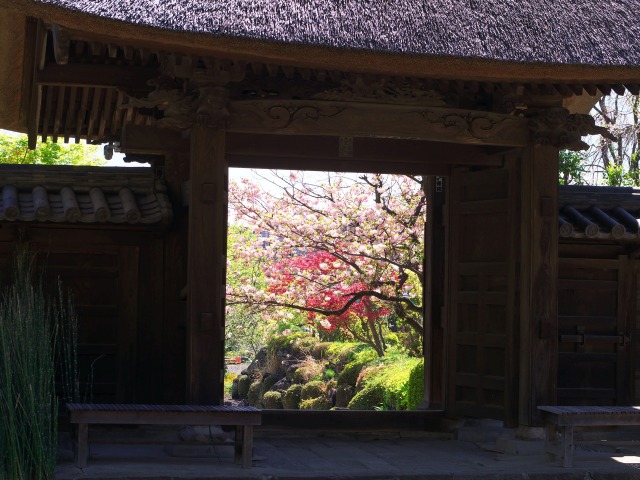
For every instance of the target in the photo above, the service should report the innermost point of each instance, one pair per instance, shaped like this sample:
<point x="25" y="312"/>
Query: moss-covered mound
<point x="272" y="400"/>
<point x="291" y="398"/>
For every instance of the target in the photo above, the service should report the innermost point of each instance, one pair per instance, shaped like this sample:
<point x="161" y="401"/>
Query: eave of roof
<point x="599" y="213"/>
<point x="37" y="193"/>
<point x="444" y="39"/>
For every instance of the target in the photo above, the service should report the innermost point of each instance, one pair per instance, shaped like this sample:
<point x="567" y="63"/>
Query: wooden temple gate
<point x="491" y="323"/>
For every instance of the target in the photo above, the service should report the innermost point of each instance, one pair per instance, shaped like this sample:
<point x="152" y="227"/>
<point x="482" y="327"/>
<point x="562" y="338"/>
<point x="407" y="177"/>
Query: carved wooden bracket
<point x="557" y="127"/>
<point x="174" y="108"/>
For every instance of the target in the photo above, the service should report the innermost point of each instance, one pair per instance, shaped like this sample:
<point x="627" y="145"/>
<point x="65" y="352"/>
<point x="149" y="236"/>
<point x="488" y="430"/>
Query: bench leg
<point x="244" y="445"/>
<point x="568" y="447"/>
<point x="237" y="445"/>
<point x="247" y="446"/>
<point x="82" y="445"/>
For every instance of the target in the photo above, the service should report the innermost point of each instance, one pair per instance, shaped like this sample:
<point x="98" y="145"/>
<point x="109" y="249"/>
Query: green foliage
<point x="291" y="398"/>
<point x="244" y="382"/>
<point x="14" y="149"/>
<point x="254" y="396"/>
<point x="415" y="388"/>
<point x="571" y="168"/>
<point x="617" y="176"/>
<point x="38" y="335"/>
<point x="318" y="403"/>
<point x="272" y="400"/>
<point x="385" y="384"/>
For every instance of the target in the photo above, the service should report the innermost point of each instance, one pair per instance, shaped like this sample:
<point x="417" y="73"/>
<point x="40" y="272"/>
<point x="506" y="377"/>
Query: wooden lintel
<point x="384" y="155"/>
<point x="337" y="165"/>
<point x="152" y="140"/>
<point x="77" y="75"/>
<point x="308" y="117"/>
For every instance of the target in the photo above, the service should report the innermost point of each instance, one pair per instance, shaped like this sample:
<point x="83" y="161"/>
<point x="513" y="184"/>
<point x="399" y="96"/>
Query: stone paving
<point x="409" y="456"/>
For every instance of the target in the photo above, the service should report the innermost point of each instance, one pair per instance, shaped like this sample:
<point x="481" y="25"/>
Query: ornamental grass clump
<point x="38" y="332"/>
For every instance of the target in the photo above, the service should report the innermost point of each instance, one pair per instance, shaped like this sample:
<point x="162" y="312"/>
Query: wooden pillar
<point x="538" y="281"/>
<point x="433" y="294"/>
<point x="206" y="265"/>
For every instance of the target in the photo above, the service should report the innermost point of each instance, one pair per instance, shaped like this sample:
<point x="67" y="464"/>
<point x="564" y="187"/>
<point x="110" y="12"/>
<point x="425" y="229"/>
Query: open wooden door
<point x="482" y="288"/>
<point x="596" y="306"/>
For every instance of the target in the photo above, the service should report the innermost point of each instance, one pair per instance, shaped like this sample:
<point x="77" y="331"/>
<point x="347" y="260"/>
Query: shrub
<point x="254" y="396"/>
<point x="368" y="373"/>
<point x="272" y="400"/>
<point x="313" y="389"/>
<point x="415" y="388"/>
<point x="319" y="403"/>
<point x="372" y="396"/>
<point x="291" y="398"/>
<point x="244" y="382"/>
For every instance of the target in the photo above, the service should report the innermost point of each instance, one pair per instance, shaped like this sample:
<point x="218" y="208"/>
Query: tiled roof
<point x="86" y="195"/>
<point x="608" y="213"/>
<point x="579" y="32"/>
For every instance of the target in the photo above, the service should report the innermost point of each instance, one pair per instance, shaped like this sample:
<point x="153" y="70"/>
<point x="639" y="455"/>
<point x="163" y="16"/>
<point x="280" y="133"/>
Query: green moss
<point x="291" y="398"/>
<point x="369" y="398"/>
<point x="308" y="370"/>
<point x="343" y="353"/>
<point x="313" y="389"/>
<point x="298" y="343"/>
<point x="244" y="382"/>
<point x="319" y="403"/>
<point x="272" y="400"/>
<point x="254" y="396"/>
<point x="415" y="388"/>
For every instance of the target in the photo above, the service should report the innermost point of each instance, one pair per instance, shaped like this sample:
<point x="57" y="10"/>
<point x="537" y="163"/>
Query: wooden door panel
<point x="593" y="328"/>
<point x="481" y="283"/>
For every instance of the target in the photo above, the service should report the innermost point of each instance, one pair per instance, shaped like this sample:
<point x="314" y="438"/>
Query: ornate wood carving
<point x="382" y="91"/>
<point x="176" y="108"/>
<point x="561" y="129"/>
<point x="372" y="120"/>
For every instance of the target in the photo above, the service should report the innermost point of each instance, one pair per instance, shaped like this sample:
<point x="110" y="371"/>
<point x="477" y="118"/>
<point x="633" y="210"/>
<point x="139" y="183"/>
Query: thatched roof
<point x="546" y="31"/>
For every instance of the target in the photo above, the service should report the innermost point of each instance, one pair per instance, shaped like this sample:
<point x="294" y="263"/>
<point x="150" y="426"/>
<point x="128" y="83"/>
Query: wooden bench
<point x="565" y="418"/>
<point x="243" y="418"/>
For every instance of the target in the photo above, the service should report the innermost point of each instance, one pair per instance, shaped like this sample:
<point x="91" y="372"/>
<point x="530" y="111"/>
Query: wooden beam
<point x="206" y="266"/>
<point x="308" y="117"/>
<point x="34" y="60"/>
<point x="87" y="75"/>
<point x="152" y="140"/>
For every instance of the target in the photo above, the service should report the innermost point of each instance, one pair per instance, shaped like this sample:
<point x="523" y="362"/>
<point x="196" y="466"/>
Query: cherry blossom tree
<point x="360" y="234"/>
